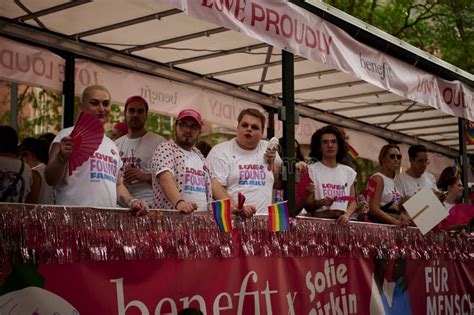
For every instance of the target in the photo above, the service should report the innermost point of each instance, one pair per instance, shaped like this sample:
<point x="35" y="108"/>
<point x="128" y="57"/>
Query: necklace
<point x="130" y="160"/>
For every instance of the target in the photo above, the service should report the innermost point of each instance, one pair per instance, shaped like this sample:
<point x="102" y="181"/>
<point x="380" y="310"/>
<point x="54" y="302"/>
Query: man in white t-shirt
<point x="334" y="192"/>
<point x="416" y="177"/>
<point x="181" y="178"/>
<point x="96" y="183"/>
<point x="136" y="149"/>
<point x="244" y="164"/>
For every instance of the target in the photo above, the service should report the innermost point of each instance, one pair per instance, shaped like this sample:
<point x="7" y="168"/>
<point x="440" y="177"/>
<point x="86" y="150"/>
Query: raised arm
<point x="55" y="171"/>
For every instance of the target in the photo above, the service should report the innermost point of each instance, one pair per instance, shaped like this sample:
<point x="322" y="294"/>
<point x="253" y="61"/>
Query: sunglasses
<point x="96" y="102"/>
<point x="395" y="156"/>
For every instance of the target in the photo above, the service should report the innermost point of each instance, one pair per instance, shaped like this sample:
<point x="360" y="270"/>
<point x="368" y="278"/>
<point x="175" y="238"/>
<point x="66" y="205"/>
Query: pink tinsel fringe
<point x="63" y="235"/>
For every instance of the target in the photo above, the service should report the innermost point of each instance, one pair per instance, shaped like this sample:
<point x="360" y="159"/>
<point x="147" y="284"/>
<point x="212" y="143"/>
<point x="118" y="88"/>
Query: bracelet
<point x="178" y="202"/>
<point x="131" y="202"/>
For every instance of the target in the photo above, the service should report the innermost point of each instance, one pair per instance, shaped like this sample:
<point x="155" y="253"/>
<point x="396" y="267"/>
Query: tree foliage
<point x="444" y="28"/>
<point x="40" y="111"/>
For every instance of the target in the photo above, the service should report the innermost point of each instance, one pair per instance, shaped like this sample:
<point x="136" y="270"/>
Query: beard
<point x="135" y="125"/>
<point x="185" y="141"/>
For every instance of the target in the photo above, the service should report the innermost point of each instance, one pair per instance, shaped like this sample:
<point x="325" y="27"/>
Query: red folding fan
<point x="86" y="136"/>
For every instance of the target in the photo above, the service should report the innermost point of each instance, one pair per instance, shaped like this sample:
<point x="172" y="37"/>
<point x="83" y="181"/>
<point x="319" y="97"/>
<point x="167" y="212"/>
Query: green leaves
<point x="444" y="28"/>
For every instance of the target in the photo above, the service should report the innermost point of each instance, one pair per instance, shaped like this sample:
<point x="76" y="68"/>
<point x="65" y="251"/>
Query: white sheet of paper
<point x="425" y="209"/>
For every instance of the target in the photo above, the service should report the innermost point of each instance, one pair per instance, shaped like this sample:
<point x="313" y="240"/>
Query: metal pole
<point x="464" y="158"/>
<point x="14" y="105"/>
<point x="271" y="125"/>
<point x="68" y="91"/>
<point x="287" y="115"/>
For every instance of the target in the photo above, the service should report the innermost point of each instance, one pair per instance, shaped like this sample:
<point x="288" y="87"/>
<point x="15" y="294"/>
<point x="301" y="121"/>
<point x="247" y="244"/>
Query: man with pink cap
<point x="136" y="149"/>
<point x="181" y="178"/>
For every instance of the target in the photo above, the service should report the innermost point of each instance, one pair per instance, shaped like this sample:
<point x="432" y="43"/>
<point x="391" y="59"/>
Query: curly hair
<point x="342" y="146"/>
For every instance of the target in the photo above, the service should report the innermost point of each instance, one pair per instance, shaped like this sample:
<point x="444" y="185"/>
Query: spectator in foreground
<point x="48" y="137"/>
<point x="35" y="153"/>
<point x="16" y="181"/>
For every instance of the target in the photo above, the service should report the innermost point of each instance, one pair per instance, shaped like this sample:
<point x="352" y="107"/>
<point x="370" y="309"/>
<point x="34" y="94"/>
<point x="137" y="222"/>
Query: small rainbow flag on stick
<point x="278" y="217"/>
<point x="469" y="132"/>
<point x="456" y="169"/>
<point x="221" y="212"/>
<point x="351" y="153"/>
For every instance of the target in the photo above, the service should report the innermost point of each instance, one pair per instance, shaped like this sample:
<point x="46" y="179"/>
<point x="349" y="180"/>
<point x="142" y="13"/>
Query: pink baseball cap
<point x="190" y="113"/>
<point x="137" y="99"/>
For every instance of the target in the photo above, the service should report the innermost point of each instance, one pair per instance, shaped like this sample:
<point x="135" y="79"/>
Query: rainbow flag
<point x="278" y="220"/>
<point x="351" y="153"/>
<point x="469" y="132"/>
<point x="456" y="169"/>
<point x="221" y="212"/>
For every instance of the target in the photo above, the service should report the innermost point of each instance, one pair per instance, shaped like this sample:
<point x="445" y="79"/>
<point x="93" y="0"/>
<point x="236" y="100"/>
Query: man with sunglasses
<point x="416" y="177"/>
<point x="96" y="183"/>
<point x="181" y="178"/>
<point x="136" y="149"/>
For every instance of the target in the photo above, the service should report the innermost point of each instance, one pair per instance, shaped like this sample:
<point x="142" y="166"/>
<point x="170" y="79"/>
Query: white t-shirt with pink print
<point x="332" y="182"/>
<point x="94" y="183"/>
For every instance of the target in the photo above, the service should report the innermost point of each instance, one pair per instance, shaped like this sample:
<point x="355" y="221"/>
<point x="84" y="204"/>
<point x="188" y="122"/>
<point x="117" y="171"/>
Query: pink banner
<point x="38" y="67"/>
<point x="246" y="285"/>
<point x="289" y="27"/>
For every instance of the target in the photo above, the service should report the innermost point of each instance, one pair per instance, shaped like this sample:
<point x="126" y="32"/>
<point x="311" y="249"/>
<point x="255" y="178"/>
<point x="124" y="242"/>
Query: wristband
<point x="178" y="202"/>
<point x="131" y="202"/>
